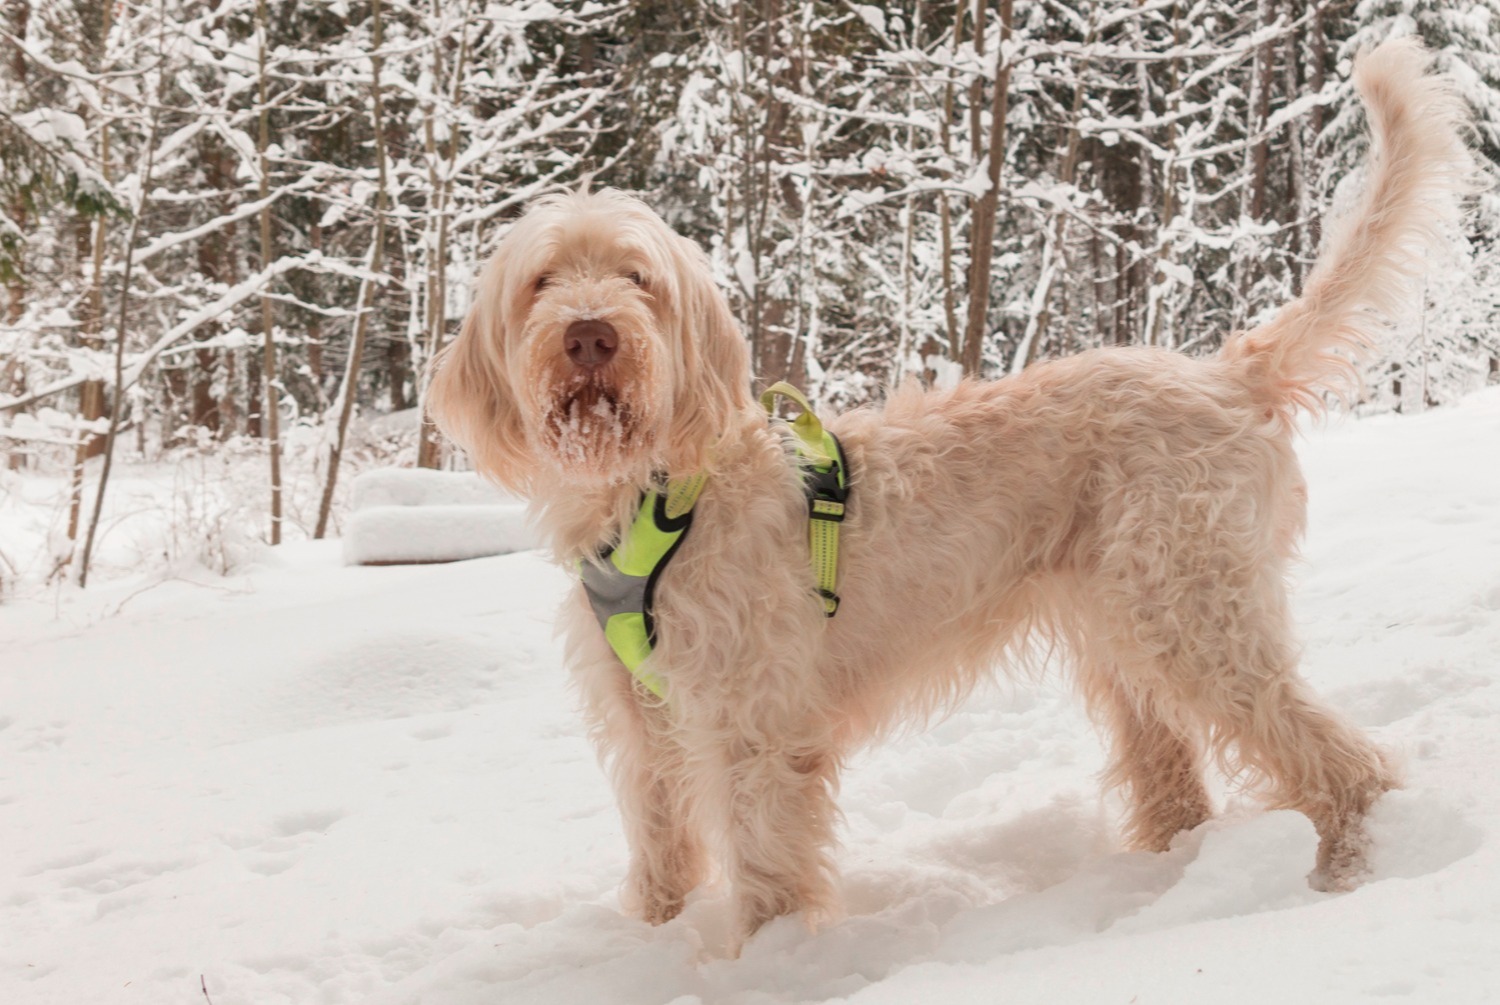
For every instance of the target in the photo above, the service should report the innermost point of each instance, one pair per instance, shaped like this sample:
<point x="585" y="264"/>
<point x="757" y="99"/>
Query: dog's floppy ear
<point x="713" y="378"/>
<point x="469" y="397"/>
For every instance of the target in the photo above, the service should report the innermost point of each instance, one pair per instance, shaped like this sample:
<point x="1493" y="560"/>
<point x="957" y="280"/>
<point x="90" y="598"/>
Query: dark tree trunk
<point x="982" y="224"/>
<point x="398" y="372"/>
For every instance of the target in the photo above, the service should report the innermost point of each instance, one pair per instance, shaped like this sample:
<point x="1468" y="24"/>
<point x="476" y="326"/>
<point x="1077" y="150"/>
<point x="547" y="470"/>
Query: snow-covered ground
<point x="317" y="783"/>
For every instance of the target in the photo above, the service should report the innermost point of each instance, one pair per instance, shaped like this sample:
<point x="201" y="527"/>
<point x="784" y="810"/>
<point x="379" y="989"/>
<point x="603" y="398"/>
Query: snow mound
<point x="402" y="535"/>
<point x="405" y="516"/>
<point x="425" y="487"/>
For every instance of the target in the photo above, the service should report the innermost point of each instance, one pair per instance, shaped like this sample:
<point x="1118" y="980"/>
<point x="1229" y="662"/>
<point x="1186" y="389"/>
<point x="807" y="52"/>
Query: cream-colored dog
<point x="1131" y="508"/>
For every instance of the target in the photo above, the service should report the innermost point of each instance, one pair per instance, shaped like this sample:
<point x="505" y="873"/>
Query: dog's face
<point x="598" y="350"/>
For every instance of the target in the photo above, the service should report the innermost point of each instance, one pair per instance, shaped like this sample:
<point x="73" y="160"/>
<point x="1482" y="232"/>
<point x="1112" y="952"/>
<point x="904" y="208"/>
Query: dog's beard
<point x="601" y="424"/>
<point x="591" y="427"/>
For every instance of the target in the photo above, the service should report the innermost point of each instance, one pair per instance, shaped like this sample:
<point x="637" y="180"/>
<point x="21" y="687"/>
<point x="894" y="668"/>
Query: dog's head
<point x="598" y="350"/>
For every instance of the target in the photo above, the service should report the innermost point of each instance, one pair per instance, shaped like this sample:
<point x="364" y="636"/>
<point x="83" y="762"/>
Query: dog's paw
<point x="1325" y="881"/>
<point x="660" y="910"/>
<point x="650" y="902"/>
<point x="1343" y="861"/>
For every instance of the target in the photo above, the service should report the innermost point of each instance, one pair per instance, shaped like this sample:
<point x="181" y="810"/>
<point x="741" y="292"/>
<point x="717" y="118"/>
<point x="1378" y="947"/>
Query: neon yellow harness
<point x="826" y="480"/>
<point x="622" y="584"/>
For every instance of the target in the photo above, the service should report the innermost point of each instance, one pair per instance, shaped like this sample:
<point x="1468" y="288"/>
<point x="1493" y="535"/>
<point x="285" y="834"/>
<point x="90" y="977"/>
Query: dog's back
<point x="978" y="510"/>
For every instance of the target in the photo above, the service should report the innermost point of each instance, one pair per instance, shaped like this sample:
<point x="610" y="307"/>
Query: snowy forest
<point x="233" y="233"/>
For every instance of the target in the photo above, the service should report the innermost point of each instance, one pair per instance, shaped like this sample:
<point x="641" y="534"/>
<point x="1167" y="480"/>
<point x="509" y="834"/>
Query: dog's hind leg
<point x="1223" y="657"/>
<point x="1309" y="759"/>
<point x="1156" y="764"/>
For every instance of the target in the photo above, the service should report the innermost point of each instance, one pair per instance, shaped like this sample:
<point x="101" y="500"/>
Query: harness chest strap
<point x="621" y="585"/>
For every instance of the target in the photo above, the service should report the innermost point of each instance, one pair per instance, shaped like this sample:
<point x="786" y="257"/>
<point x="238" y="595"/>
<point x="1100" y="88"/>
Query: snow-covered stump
<point x="406" y="516"/>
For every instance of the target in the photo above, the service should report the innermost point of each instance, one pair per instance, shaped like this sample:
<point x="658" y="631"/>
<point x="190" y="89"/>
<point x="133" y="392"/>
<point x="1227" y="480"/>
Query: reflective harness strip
<point x="621" y="585"/>
<point x="827" y="486"/>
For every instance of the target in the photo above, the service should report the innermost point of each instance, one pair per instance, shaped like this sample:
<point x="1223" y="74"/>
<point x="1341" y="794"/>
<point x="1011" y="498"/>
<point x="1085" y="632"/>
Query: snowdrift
<point x="413" y="516"/>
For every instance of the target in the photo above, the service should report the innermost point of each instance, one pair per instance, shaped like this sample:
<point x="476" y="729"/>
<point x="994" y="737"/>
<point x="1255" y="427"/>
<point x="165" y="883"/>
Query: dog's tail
<point x="1420" y="170"/>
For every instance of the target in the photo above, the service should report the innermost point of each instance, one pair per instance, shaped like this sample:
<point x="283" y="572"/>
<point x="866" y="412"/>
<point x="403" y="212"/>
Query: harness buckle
<point x="825" y="496"/>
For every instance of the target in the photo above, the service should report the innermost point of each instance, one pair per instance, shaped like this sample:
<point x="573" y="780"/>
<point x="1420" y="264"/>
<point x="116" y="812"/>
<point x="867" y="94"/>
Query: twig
<point x="173" y="579"/>
<point x="203" y="983"/>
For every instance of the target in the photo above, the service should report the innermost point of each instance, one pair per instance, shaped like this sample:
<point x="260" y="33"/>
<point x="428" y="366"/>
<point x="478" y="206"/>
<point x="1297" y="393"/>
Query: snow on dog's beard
<point x="605" y="424"/>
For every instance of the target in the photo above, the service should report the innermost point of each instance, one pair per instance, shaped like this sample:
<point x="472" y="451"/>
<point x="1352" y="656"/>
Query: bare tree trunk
<point x="228" y="407"/>
<point x="751" y="198"/>
<point x="367" y="287"/>
<point x="1298" y="206"/>
<point x="804" y="331"/>
<point x="1155" y="311"/>
<point x="118" y="402"/>
<point x="18" y="18"/>
<point x="253" y="395"/>
<point x="1054" y="250"/>
<point x="398" y="371"/>
<point x="1317" y="45"/>
<point x="904" y="344"/>
<point x="429" y="446"/>
<point x="950" y="306"/>
<point x="772" y="348"/>
<point x="270" y="379"/>
<point x="427" y="452"/>
<point x="982" y="227"/>
<point x="315" y="327"/>
<point x="1265" y="64"/>
<point x="91" y="394"/>
<point x="772" y="313"/>
<point x="1257" y="156"/>
<point x="12" y="371"/>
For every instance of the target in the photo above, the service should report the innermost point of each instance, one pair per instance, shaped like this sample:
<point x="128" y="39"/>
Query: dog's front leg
<point x="666" y="856"/>
<point x="646" y="763"/>
<point x="776" y="783"/>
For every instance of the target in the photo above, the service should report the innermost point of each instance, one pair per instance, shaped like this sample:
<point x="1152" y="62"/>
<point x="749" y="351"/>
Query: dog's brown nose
<point x="590" y="343"/>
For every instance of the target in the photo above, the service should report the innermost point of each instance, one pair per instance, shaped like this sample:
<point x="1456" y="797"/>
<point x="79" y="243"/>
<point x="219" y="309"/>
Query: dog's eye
<point x="543" y="281"/>
<point x="635" y="277"/>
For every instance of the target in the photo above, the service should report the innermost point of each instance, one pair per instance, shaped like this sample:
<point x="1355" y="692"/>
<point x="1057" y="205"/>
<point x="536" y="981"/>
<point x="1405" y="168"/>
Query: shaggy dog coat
<point x="1131" y="508"/>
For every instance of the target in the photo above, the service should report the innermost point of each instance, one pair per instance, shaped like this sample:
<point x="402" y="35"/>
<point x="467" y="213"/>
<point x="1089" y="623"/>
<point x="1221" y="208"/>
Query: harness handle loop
<point x="807" y="426"/>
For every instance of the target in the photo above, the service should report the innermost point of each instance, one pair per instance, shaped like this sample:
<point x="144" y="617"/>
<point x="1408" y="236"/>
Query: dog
<point x="1131" y="508"/>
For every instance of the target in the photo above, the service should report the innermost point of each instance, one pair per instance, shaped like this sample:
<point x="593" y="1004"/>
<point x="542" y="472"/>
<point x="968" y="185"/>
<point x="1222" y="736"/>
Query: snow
<point x="311" y="782"/>
<point x="872" y="16"/>
<point x="397" y="534"/>
<point x="414" y="515"/>
<point x="424" y="487"/>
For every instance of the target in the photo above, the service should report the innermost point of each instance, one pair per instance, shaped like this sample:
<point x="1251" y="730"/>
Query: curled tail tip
<point x="1422" y="169"/>
<point x="1398" y="78"/>
<point x="1405" y="55"/>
